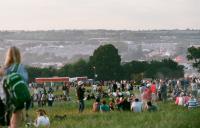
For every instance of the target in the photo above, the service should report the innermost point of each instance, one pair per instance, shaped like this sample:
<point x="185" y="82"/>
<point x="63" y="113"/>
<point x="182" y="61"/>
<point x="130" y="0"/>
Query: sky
<point x="99" y="14"/>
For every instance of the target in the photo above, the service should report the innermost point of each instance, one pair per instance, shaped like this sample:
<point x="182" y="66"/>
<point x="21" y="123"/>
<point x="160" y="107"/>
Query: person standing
<point x="80" y="95"/>
<point x="194" y="88"/>
<point x="163" y="91"/>
<point x="13" y="58"/>
<point x="153" y="92"/>
<point x="50" y="99"/>
<point x="64" y="88"/>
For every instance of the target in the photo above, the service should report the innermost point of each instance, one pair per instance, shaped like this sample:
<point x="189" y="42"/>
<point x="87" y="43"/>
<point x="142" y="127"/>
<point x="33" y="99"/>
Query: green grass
<point x="168" y="116"/>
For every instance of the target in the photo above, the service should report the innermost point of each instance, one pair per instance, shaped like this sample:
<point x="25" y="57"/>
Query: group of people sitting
<point x="123" y="104"/>
<point x="186" y="100"/>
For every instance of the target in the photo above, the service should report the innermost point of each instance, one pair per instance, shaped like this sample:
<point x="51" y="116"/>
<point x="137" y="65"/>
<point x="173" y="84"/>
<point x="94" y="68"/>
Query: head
<point x="80" y="83"/>
<point x="191" y="96"/>
<point x="12" y="56"/>
<point x="182" y="94"/>
<point x="103" y="101"/>
<point x="97" y="99"/>
<point x="136" y="100"/>
<point x="41" y="112"/>
<point x="149" y="103"/>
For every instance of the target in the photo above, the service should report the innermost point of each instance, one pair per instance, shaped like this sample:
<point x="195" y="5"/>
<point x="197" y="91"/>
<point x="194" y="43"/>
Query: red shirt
<point x="147" y="94"/>
<point x="153" y="88"/>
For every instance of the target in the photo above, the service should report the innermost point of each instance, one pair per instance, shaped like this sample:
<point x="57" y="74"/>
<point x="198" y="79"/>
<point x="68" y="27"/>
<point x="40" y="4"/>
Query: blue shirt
<point x="21" y="70"/>
<point x="104" y="108"/>
<point x="192" y="103"/>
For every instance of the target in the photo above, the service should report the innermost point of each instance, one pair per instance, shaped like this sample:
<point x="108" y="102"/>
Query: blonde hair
<point x="12" y="56"/>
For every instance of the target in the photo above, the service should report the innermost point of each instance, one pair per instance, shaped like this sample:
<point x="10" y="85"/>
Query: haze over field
<point x="43" y="48"/>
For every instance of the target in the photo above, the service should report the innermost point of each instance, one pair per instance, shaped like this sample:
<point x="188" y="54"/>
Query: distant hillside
<point x="43" y="48"/>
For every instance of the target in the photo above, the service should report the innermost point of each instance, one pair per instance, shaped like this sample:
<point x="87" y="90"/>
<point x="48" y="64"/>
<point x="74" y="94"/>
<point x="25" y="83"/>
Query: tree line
<point x="105" y="64"/>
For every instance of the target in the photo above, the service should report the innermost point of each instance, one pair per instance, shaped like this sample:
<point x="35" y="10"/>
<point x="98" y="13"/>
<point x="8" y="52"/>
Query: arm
<point x="36" y="123"/>
<point x="1" y="72"/>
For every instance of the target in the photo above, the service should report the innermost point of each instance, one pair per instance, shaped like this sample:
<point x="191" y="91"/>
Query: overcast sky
<point x="99" y="14"/>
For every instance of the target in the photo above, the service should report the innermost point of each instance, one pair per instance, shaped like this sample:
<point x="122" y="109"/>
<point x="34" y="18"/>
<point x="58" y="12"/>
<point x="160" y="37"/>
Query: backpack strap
<point x="15" y="68"/>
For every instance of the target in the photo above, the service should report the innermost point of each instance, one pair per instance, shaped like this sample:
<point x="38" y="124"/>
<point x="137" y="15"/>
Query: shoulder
<point x="21" y="67"/>
<point x="42" y="118"/>
<point x="7" y="69"/>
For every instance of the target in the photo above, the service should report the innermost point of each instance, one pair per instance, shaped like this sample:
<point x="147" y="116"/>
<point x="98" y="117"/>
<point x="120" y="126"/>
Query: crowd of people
<point x="124" y="95"/>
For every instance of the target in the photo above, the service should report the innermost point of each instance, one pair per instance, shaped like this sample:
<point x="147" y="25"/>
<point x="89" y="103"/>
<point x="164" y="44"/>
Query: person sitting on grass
<point x="104" y="107"/>
<point x="192" y="103"/>
<point x="180" y="100"/>
<point x="126" y="105"/>
<point x="96" y="105"/>
<point x="136" y="106"/>
<point x="150" y="107"/>
<point x="112" y="104"/>
<point x="42" y="120"/>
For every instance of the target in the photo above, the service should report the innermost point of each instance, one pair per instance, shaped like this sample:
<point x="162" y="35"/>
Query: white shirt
<point x="181" y="101"/>
<point x="136" y="106"/>
<point x="50" y="97"/>
<point x="42" y="121"/>
<point x="94" y="87"/>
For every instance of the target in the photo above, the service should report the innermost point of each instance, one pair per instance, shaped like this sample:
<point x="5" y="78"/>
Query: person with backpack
<point x="15" y="81"/>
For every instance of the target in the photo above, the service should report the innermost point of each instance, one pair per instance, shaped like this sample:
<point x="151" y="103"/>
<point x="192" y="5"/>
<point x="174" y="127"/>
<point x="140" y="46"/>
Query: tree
<point x="167" y="68"/>
<point x="106" y="63"/>
<point x="194" y="55"/>
<point x="65" y="70"/>
<point x="80" y="68"/>
<point x="134" y="69"/>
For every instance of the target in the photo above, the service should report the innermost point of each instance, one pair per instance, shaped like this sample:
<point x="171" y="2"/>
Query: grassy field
<point x="168" y="116"/>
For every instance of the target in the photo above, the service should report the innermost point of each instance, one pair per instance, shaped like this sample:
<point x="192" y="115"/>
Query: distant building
<point x="180" y="59"/>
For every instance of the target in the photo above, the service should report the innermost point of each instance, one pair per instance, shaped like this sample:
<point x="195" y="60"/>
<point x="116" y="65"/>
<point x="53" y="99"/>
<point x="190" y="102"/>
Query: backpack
<point x="16" y="87"/>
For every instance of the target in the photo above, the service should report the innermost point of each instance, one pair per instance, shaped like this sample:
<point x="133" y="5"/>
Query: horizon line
<point x="78" y="29"/>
